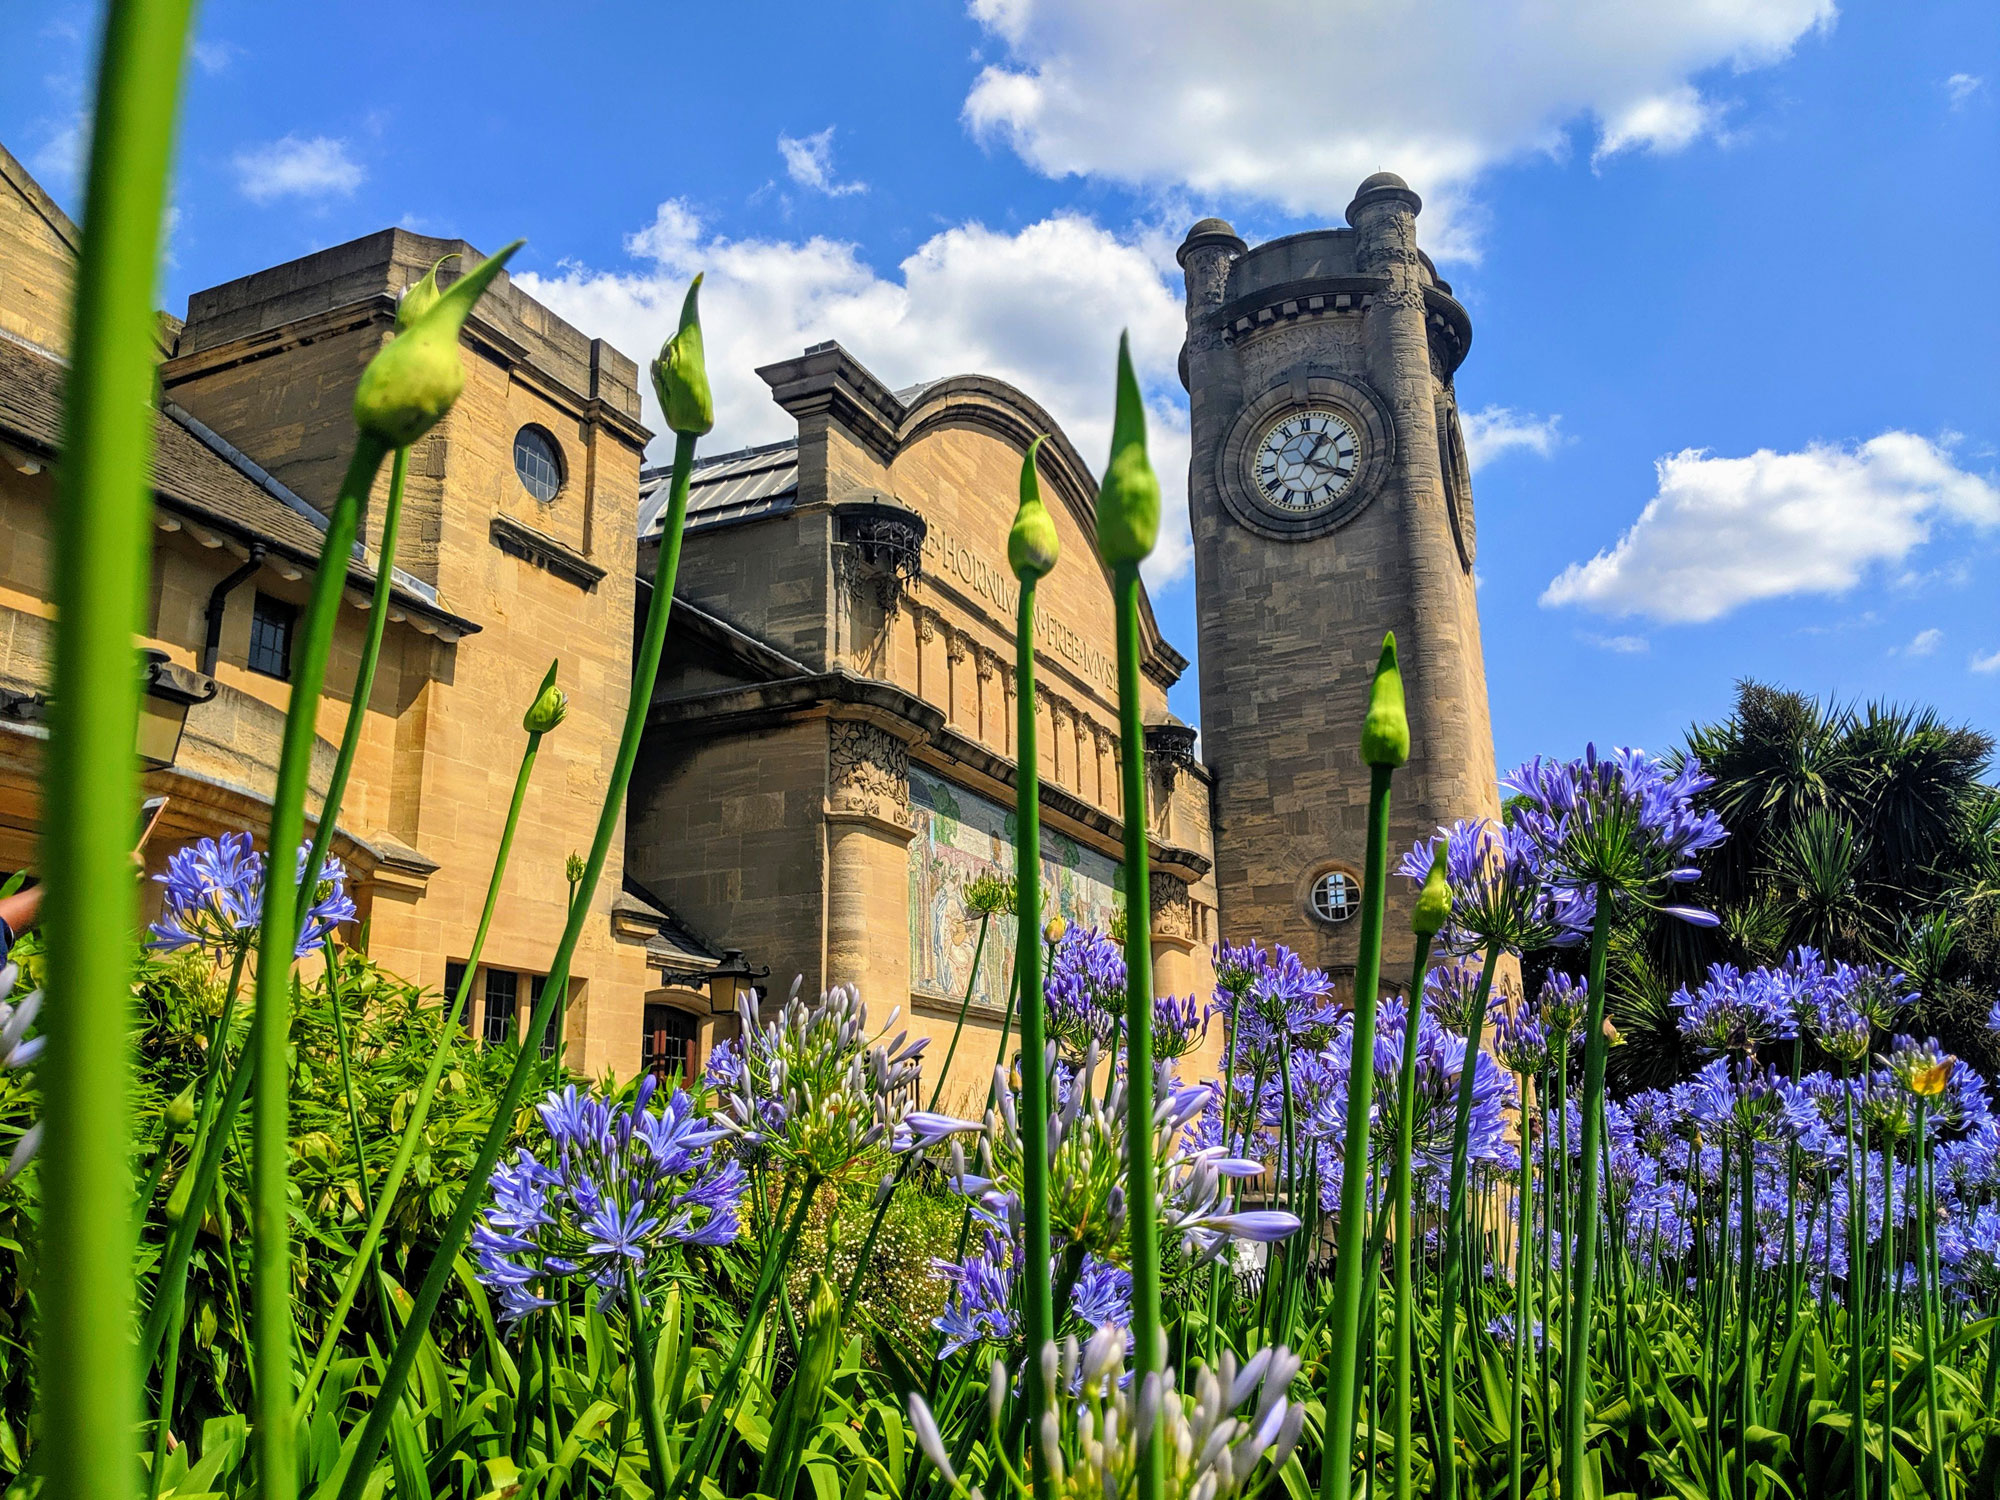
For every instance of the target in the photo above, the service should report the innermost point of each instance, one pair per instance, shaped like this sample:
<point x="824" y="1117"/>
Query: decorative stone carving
<point x="871" y="772"/>
<point x="989" y="664"/>
<point x="1173" y="908"/>
<point x="926" y="626"/>
<point x="956" y="648"/>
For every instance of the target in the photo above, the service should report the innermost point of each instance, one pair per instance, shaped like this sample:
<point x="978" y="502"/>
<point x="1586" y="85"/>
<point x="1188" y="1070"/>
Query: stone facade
<point x="493" y="583"/>
<point x="1293" y="606"/>
<point x="844" y="625"/>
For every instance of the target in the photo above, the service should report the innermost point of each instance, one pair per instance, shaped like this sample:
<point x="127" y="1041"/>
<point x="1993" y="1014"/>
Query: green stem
<point x="1344" y="1357"/>
<point x="1857" y="1258"/>
<point x="413" y="1128"/>
<point x="610" y="820"/>
<point x="650" y="1421"/>
<point x="1524" y="1292"/>
<point x="1454" y="1244"/>
<point x="1746" y="1249"/>
<point x="364" y="677"/>
<point x="1038" y="1290"/>
<point x="103" y="536"/>
<point x="1399" y="1195"/>
<point x="1583" y="1305"/>
<point x="958" y="1028"/>
<point x="168" y="1378"/>
<point x="1927" y="1292"/>
<point x="1141" y="1206"/>
<point x="347" y="1076"/>
<point x="1888" y="1316"/>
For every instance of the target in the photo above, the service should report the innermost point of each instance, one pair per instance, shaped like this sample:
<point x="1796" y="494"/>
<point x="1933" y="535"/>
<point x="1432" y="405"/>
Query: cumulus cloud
<point x="1924" y="642"/>
<point x="1040" y="308"/>
<point x="1990" y="662"/>
<point x="297" y="168"/>
<point x="809" y="163"/>
<point x="1495" y="431"/>
<point x="1724" y="532"/>
<point x="1293" y="102"/>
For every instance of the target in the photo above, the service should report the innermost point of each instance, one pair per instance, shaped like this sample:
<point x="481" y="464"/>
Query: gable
<point x="38" y="245"/>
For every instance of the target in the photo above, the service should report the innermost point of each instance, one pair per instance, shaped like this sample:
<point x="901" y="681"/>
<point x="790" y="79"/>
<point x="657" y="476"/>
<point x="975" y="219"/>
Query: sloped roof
<point x="728" y="487"/>
<point x="197" y="474"/>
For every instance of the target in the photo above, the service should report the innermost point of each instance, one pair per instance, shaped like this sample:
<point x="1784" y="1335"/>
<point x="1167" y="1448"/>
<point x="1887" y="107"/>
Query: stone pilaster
<point x="867" y="834"/>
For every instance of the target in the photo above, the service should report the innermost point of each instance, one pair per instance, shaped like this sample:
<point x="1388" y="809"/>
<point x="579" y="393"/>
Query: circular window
<point x="1336" y="896"/>
<point x="538" y="461"/>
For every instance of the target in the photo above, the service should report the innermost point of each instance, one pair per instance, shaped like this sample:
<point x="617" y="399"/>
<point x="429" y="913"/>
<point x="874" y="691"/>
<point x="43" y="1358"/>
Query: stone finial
<point x="1208" y="234"/>
<point x="1382" y="187"/>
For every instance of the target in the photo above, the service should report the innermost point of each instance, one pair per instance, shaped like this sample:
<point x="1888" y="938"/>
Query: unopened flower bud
<point x="421" y="296"/>
<point x="411" y="384"/>
<point x="1055" y="929"/>
<point x="1032" y="545"/>
<point x="1385" y="734"/>
<point x="1433" y="908"/>
<point x="1128" y="501"/>
<point x="550" y="707"/>
<point x="180" y="1112"/>
<point x="680" y="374"/>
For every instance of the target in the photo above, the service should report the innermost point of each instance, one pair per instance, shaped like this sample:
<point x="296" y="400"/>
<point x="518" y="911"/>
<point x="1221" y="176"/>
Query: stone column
<point x="1173" y="937"/>
<point x="867" y="864"/>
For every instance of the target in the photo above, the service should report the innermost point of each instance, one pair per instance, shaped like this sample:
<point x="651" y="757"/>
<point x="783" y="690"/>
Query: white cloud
<point x="1924" y="642"/>
<point x="1723" y="532"/>
<point x="809" y="163"/>
<point x="1960" y="88"/>
<point x="1990" y="662"/>
<point x="63" y="158"/>
<point x="1041" y="308"/>
<point x="1497" y="430"/>
<point x="1293" y="102"/>
<point x="295" y="168"/>
<point x="1623" y="645"/>
<point x="215" y="57"/>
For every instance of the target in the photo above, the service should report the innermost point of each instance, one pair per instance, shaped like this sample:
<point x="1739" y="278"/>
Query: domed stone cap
<point x="1380" y="186"/>
<point x="1207" y="232"/>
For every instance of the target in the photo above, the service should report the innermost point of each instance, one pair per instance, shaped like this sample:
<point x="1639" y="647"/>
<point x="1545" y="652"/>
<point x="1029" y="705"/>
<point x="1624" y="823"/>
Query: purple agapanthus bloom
<point x="1451" y="993"/>
<point x="1521" y="1043"/>
<point x="979" y="1308"/>
<point x="1737" y="1012"/>
<point x="1085" y="990"/>
<point x="215" y="898"/>
<point x="1993" y="1020"/>
<point x="617" y="1185"/>
<point x="1618" y="820"/>
<point x="1179" y="1026"/>
<point x="1288" y="1001"/>
<point x="1498" y="896"/>
<point x="1103" y="1295"/>
<point x="1440" y="1062"/>
<point x="1751" y="1101"/>
<point x="1564" y="1001"/>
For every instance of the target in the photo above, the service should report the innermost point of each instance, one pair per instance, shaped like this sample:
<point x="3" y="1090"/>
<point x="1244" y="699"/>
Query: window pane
<point x="667" y="1048"/>
<point x="538" y="463"/>
<point x="454" y="976"/>
<point x="271" y="622"/>
<point x="536" y="984"/>
<point x="502" y="985"/>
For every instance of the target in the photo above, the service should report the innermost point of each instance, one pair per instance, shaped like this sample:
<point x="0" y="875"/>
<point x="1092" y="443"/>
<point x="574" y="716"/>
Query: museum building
<point x="829" y="756"/>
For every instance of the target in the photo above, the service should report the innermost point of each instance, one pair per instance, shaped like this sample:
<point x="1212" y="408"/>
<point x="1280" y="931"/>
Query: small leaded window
<point x="538" y="461"/>
<point x="668" y="1045"/>
<point x="502" y="988"/>
<point x="1336" y="896"/>
<point x="271" y="622"/>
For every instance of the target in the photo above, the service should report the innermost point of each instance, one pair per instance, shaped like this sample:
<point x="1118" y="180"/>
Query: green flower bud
<point x="1128" y="502"/>
<point x="410" y="385"/>
<point x="177" y="1200"/>
<point x="1031" y="544"/>
<point x="180" y="1112"/>
<point x="550" y="707"/>
<point x="1433" y="908"/>
<point x="680" y="374"/>
<point x="1385" y="736"/>
<point x="420" y="297"/>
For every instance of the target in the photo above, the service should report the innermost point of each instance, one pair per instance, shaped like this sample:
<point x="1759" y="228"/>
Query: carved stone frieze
<point x="1173" y="908"/>
<point x="871" y="771"/>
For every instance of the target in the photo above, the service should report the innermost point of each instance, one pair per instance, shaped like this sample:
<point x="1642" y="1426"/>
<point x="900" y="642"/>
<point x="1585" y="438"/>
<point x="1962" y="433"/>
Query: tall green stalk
<point x="1857" y="1257"/>
<point x="683" y="387"/>
<point x="1385" y="744"/>
<point x="1524" y="1294"/>
<point x="1888" y="1315"/>
<point x="1128" y="527"/>
<point x="1583" y="1301"/>
<point x="1031" y="552"/>
<point x="1454" y="1240"/>
<point x="413" y="1128"/>
<point x="103" y="535"/>
<point x="1433" y="909"/>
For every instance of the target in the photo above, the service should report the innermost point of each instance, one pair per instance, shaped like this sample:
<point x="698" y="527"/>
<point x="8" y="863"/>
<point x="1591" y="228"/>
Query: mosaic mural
<point x="960" y="836"/>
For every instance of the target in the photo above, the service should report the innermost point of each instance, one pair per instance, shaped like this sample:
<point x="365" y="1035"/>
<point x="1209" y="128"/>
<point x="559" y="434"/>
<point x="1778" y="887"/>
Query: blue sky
<point x="1729" y="267"/>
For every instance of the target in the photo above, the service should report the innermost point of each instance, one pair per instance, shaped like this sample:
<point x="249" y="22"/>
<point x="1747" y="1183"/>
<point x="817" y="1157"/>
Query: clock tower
<point x="1330" y="501"/>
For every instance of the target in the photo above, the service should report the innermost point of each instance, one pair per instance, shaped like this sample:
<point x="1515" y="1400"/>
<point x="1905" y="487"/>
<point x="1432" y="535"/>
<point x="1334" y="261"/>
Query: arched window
<point x="1336" y="896"/>
<point x="538" y="461"/>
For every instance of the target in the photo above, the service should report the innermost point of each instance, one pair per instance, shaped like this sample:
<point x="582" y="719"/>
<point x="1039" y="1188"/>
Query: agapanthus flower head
<point x="1179" y="1026"/>
<point x="1619" y="820"/>
<point x="1563" y="1003"/>
<point x="1993" y="1019"/>
<point x="19" y="1050"/>
<point x="1841" y="1031"/>
<point x="1236" y="966"/>
<point x="818" y="1090"/>
<point x="1501" y="1329"/>
<point x="1921" y="1066"/>
<point x="1085" y="991"/>
<point x="1879" y="993"/>
<point x="1736" y="1012"/>
<point x="1519" y="1040"/>
<point x="1498" y="896"/>
<point x="215" y="898"/>
<point x="990" y="895"/>
<point x="1969" y="1248"/>
<point x="1288" y="1002"/>
<point x="1451" y="995"/>
<point x="1748" y="1101"/>
<point x="609" y="1189"/>
<point x="1440" y="1063"/>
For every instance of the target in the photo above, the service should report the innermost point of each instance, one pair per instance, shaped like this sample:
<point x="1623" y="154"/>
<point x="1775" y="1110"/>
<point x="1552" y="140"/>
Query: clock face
<point x="1305" y="461"/>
